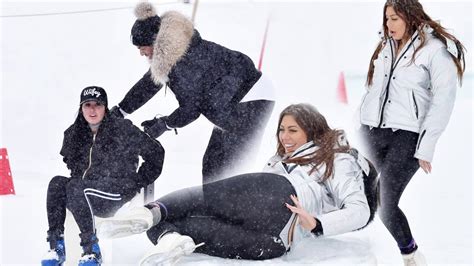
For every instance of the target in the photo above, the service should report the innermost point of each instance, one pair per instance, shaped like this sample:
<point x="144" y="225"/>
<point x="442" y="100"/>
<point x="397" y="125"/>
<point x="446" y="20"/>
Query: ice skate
<point x="170" y="248"/>
<point x="56" y="256"/>
<point x="415" y="258"/>
<point x="136" y="221"/>
<point x="91" y="256"/>
<point x="90" y="260"/>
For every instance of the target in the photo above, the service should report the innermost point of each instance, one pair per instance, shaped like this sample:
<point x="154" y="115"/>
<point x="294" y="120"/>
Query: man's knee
<point x="75" y="188"/>
<point x="58" y="183"/>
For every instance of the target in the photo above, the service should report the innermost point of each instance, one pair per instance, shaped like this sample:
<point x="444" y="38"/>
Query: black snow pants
<point x="392" y="153"/>
<point x="240" y="217"/>
<point x="85" y="199"/>
<point x="236" y="141"/>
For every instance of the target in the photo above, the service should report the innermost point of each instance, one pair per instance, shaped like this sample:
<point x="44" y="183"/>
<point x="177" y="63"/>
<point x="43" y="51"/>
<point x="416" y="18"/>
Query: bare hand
<point x="306" y="220"/>
<point x="425" y="165"/>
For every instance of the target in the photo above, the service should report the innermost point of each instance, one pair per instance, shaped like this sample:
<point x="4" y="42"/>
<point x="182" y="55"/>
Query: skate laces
<point x="190" y="247"/>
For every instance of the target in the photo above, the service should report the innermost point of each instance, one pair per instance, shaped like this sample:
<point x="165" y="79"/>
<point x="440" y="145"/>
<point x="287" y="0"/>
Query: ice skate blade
<point x="51" y="263"/>
<point x="163" y="259"/>
<point x="122" y="228"/>
<point x="168" y="258"/>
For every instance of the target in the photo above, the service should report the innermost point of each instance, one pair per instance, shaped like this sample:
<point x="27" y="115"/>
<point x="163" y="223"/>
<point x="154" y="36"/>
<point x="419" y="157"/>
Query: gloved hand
<point x="155" y="127"/>
<point x="115" y="112"/>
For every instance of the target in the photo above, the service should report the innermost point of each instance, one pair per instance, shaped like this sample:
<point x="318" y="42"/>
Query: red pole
<point x="262" y="51"/>
<point x="6" y="180"/>
<point x="341" y="89"/>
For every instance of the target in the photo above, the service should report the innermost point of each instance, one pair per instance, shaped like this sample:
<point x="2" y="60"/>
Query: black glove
<point x="155" y="127"/>
<point x="115" y="112"/>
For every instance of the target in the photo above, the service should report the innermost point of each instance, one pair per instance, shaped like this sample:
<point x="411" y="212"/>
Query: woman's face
<point x="93" y="112"/>
<point x="146" y="51"/>
<point x="397" y="27"/>
<point x="290" y="134"/>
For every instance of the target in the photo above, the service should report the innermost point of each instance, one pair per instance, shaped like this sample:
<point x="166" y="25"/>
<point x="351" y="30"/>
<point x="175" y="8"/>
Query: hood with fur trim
<point x="171" y="44"/>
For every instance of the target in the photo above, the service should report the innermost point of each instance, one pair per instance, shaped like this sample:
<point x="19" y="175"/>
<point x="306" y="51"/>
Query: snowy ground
<point x="47" y="60"/>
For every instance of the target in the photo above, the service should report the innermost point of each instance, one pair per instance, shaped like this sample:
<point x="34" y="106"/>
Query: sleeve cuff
<point x="318" y="230"/>
<point x="169" y="128"/>
<point x="122" y="111"/>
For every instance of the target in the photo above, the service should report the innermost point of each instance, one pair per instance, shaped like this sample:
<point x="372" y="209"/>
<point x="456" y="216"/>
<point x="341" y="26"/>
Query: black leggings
<point x="85" y="199"/>
<point x="392" y="153"/>
<point x="240" y="217"/>
<point x="236" y="141"/>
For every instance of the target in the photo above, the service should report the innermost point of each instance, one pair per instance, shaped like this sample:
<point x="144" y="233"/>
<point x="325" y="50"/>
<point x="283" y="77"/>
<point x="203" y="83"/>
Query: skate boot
<point x="170" y="248"/>
<point x="415" y="258"/>
<point x="55" y="256"/>
<point x="136" y="221"/>
<point x="91" y="255"/>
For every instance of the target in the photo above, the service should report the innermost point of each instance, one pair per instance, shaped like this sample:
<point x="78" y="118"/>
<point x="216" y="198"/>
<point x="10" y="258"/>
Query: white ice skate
<point x="170" y="248"/>
<point x="135" y="221"/>
<point x="415" y="258"/>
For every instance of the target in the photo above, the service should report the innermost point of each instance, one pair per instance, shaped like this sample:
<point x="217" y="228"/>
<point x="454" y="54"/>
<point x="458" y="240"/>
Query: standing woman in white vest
<point x="411" y="89"/>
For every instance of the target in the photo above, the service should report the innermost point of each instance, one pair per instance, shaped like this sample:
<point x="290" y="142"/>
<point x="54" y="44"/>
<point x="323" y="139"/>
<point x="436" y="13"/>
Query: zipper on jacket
<point x="414" y="103"/>
<point x="392" y="69"/>
<point x="421" y="137"/>
<point x="291" y="230"/>
<point x="90" y="157"/>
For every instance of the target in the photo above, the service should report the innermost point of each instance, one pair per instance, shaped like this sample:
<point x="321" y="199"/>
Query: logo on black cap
<point x="94" y="93"/>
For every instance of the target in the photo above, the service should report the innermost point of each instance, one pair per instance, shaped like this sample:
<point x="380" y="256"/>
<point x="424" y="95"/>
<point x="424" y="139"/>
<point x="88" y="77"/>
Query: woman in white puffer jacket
<point x="411" y="89"/>
<point x="315" y="185"/>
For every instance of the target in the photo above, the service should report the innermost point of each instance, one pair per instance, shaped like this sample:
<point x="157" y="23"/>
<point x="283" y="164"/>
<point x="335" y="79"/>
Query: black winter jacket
<point x="113" y="152"/>
<point x="205" y="77"/>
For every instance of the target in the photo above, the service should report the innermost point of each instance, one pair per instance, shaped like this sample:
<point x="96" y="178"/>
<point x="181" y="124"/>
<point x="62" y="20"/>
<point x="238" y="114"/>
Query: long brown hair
<point x="411" y="11"/>
<point x="317" y="130"/>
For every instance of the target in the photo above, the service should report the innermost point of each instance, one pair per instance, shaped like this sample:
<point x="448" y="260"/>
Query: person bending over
<point x="207" y="79"/>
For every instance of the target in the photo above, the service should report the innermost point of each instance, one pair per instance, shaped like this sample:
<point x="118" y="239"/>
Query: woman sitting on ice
<point x="102" y="153"/>
<point x="314" y="185"/>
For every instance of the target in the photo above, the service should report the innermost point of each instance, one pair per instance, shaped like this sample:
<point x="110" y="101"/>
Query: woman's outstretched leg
<point x="255" y="201"/>
<point x="214" y="237"/>
<point x="176" y="205"/>
<point x="233" y="241"/>
<point x="243" y="218"/>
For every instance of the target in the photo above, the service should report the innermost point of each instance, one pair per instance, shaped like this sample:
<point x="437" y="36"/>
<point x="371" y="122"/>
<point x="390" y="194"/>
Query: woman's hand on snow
<point x="306" y="220"/>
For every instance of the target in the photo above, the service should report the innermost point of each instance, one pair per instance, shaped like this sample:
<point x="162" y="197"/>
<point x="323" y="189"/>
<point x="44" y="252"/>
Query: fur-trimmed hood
<point x="171" y="44"/>
<point x="205" y="77"/>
